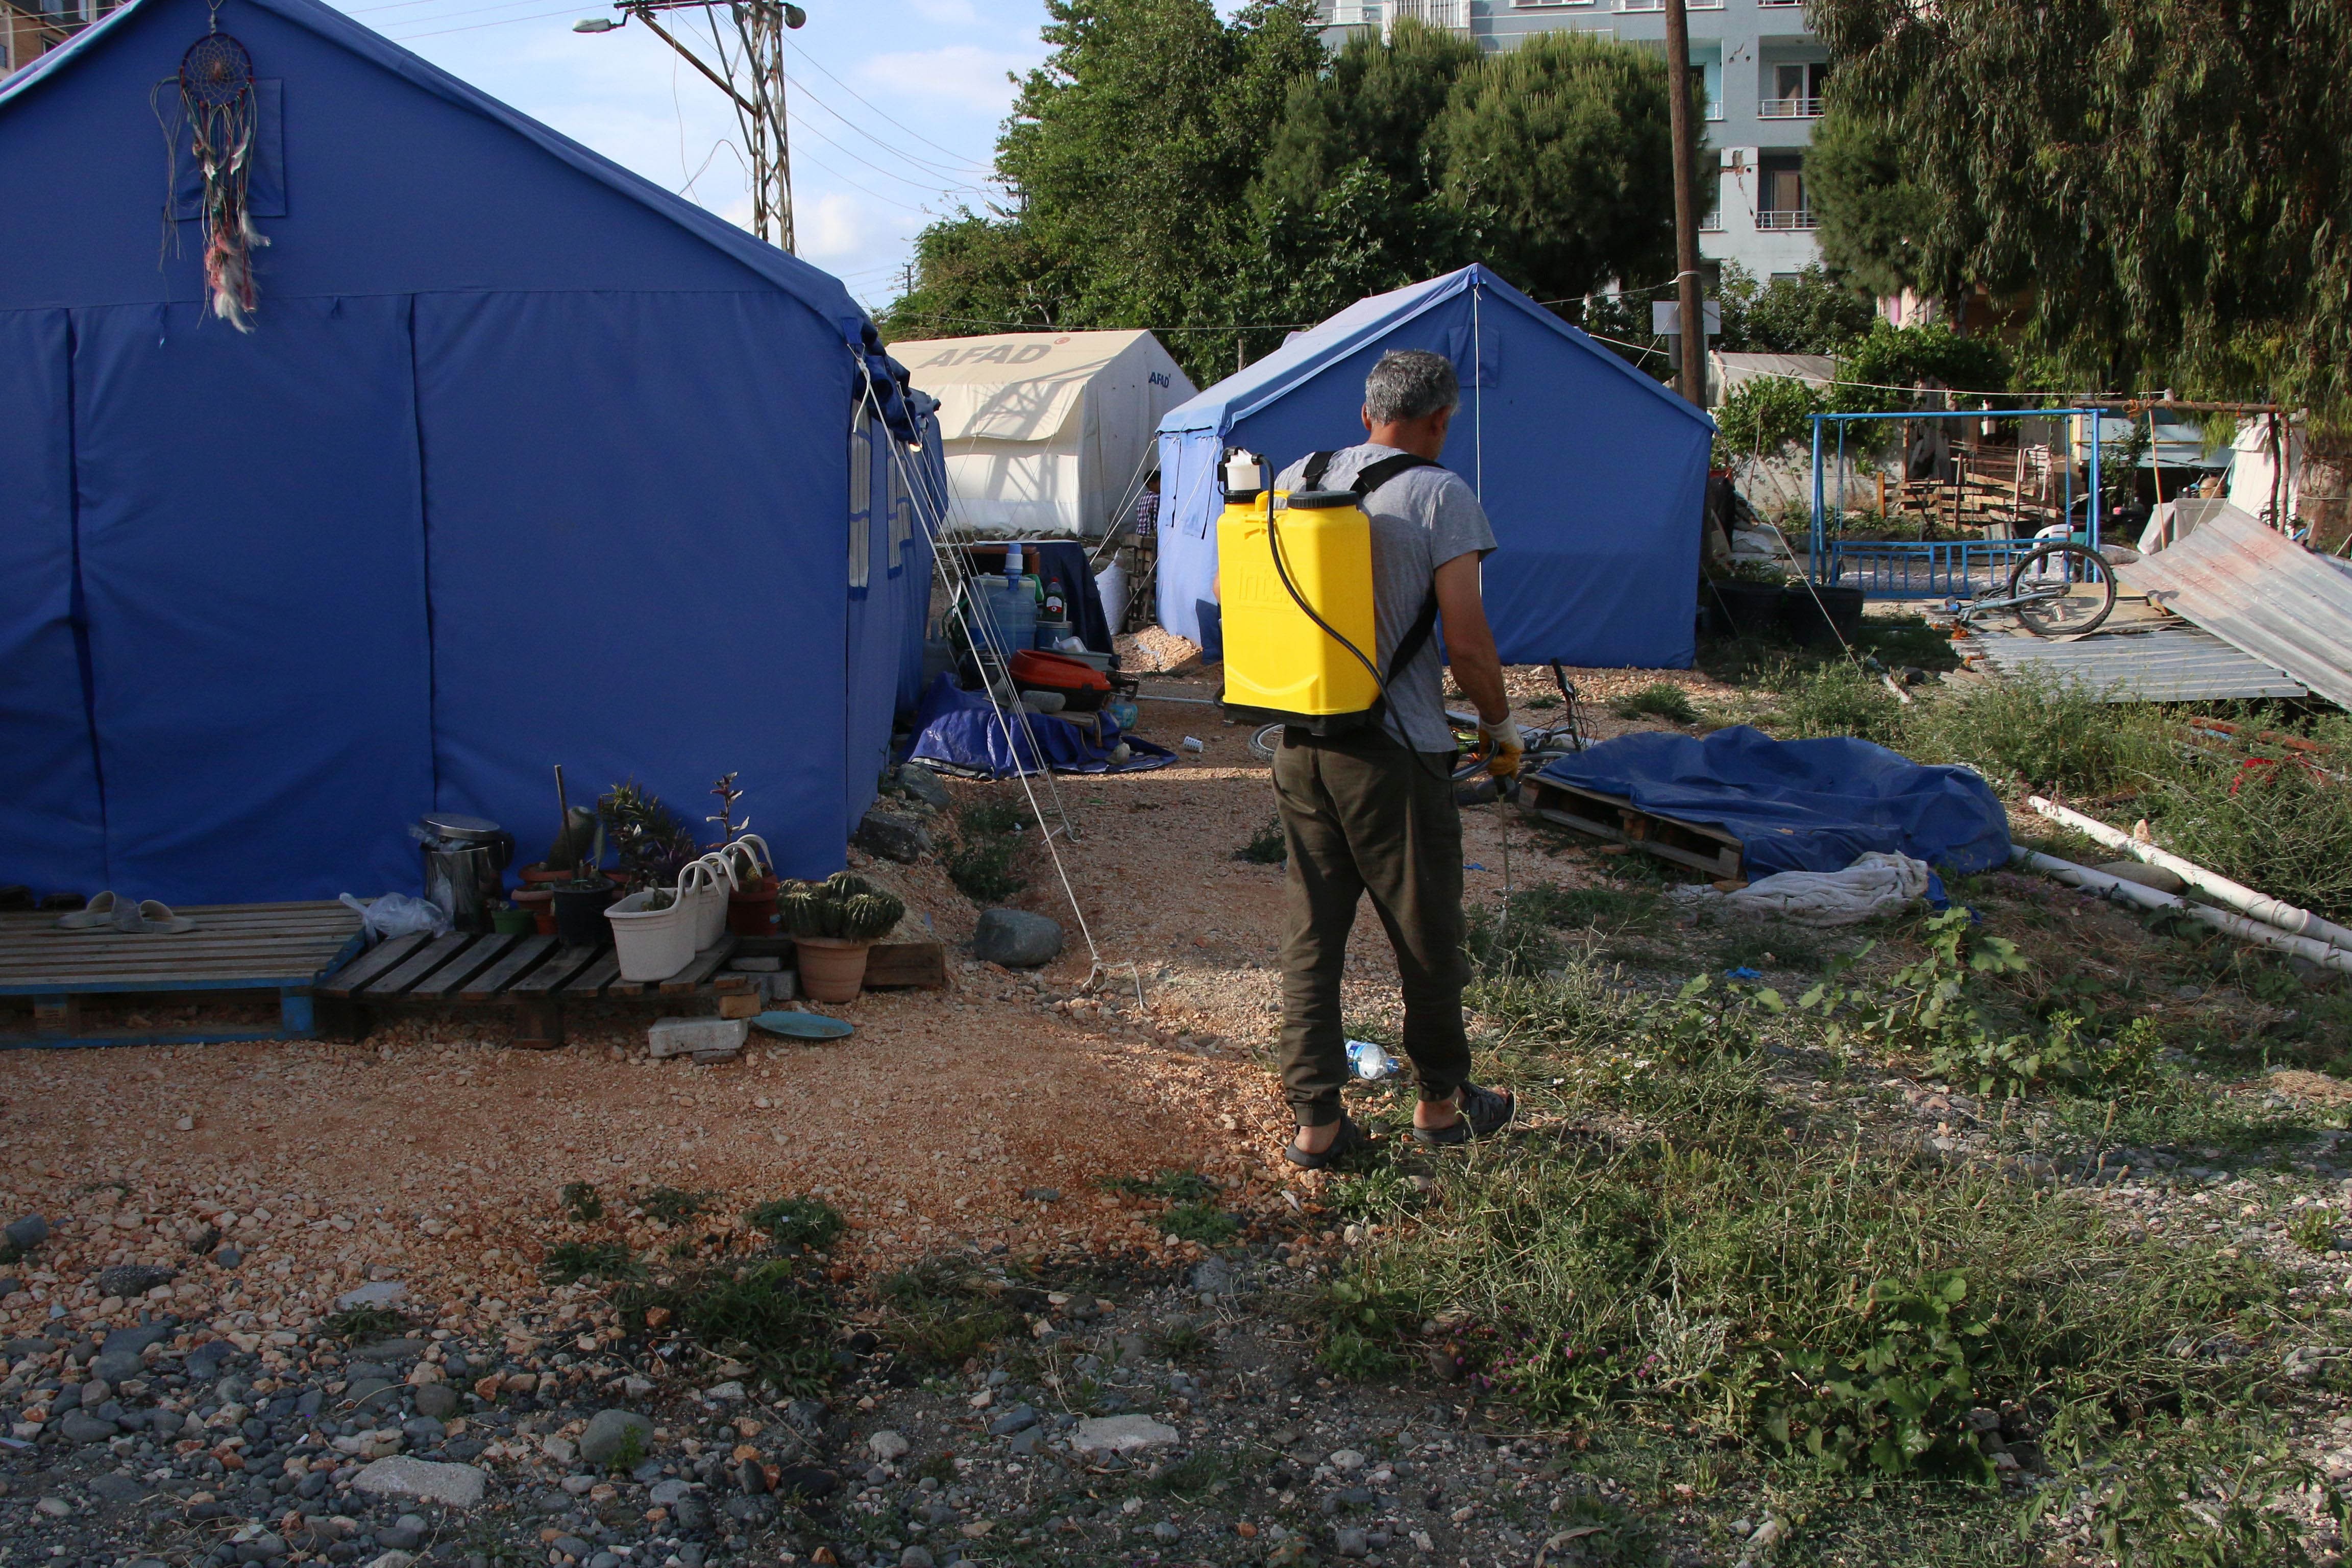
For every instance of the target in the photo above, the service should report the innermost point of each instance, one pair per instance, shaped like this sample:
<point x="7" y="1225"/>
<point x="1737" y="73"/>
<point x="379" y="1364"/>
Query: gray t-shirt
<point x="1422" y="518"/>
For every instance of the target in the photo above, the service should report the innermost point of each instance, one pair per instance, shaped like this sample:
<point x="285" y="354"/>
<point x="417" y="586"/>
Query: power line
<point x="869" y="103"/>
<point x="926" y="165"/>
<point x="888" y="174"/>
<point x="477" y="26"/>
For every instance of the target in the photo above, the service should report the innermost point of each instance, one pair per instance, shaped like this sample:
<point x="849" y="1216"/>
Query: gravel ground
<point x="224" y="1422"/>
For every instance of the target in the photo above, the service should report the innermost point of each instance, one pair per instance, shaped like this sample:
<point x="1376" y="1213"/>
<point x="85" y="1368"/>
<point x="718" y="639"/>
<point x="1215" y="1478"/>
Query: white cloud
<point x="832" y="225"/>
<point x="964" y="74"/>
<point x="947" y="11"/>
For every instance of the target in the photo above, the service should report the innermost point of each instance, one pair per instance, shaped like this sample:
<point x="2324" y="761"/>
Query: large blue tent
<point x="1593" y="474"/>
<point x="525" y="461"/>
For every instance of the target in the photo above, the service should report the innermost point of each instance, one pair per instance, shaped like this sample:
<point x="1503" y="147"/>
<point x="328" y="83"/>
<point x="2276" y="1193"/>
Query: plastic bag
<point x="1876" y="884"/>
<point x="398" y="914"/>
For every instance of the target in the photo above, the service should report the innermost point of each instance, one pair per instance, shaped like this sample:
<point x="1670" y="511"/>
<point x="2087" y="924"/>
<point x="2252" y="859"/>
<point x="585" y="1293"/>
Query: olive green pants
<point x="1361" y="814"/>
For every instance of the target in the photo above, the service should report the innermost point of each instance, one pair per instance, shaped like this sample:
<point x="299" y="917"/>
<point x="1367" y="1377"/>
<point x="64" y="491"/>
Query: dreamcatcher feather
<point x="217" y="97"/>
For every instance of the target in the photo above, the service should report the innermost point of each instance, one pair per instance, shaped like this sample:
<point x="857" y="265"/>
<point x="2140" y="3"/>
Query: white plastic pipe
<point x="2116" y="890"/>
<point x="2245" y="899"/>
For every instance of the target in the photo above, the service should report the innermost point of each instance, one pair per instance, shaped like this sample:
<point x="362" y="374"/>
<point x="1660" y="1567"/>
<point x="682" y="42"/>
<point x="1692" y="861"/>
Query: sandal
<point x="97" y="914"/>
<point x="1483" y="1113"/>
<point x="1350" y="1138"/>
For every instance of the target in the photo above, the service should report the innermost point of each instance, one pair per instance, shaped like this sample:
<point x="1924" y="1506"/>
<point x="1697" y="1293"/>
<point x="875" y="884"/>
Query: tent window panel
<point x="902" y="515"/>
<point x="861" y="502"/>
<point x="861" y="551"/>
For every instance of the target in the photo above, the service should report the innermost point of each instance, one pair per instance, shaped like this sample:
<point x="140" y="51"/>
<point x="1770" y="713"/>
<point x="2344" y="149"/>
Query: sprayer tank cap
<point x="1321" y="501"/>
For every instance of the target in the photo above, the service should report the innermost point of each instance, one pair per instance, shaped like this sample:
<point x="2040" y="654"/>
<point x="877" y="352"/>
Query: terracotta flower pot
<point x="752" y="908"/>
<point x="539" y="904"/>
<point x="833" y="969"/>
<point x="538" y="874"/>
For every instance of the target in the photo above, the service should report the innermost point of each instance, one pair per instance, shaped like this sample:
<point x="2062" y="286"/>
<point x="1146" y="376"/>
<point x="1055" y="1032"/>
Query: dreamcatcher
<point x="217" y="95"/>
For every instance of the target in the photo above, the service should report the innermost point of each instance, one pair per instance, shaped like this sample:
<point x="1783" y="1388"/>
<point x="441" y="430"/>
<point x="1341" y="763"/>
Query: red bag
<point x="1082" y="686"/>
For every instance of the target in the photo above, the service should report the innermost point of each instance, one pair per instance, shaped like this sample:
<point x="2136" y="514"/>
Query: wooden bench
<point x="534" y="974"/>
<point x="1697" y="845"/>
<point x="279" y="951"/>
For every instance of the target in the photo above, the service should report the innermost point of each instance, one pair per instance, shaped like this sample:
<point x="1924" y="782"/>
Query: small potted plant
<point x="581" y="902"/>
<point x="1748" y="594"/>
<point x="654" y="927"/>
<point x="751" y="901"/>
<point x="833" y="923"/>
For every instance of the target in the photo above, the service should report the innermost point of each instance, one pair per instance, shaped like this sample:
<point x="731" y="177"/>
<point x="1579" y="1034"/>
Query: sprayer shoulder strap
<point x="1372" y="475"/>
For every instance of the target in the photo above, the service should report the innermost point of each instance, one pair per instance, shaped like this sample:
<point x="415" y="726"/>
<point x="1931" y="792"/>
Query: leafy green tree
<point x="2166" y="184"/>
<point x="1874" y="216"/>
<point x="1890" y="366"/>
<point x="1814" y="312"/>
<point x="1557" y="157"/>
<point x="1761" y="416"/>
<point x="1374" y="107"/>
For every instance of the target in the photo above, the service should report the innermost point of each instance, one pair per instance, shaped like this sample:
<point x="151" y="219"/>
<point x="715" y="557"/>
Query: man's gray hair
<point x="1411" y="383"/>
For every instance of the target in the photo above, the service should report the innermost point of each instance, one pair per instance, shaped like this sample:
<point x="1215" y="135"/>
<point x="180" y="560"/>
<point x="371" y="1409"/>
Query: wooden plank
<point x="486" y="950"/>
<point x="923" y="963"/>
<point x="699" y="971"/>
<point x="592" y="980"/>
<point x="552" y="974"/>
<point x="427" y="959"/>
<point x="165" y="982"/>
<point x="377" y="960"/>
<point x="307" y="955"/>
<point x="526" y="953"/>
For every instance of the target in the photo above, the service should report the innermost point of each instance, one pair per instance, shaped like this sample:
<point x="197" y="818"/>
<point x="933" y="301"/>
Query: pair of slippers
<point x="107" y="912"/>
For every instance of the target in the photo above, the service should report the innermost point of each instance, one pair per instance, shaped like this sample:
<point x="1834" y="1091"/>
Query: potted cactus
<point x="833" y="923"/>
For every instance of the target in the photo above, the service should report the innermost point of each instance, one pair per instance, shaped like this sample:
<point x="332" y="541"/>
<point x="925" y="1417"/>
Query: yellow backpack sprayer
<point x="1295" y="575"/>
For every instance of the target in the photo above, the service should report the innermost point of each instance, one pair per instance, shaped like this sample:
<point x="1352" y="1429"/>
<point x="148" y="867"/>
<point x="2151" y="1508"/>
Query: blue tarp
<point x="526" y="461"/>
<point x="1802" y="805"/>
<point x="957" y="730"/>
<point x="1594" y="474"/>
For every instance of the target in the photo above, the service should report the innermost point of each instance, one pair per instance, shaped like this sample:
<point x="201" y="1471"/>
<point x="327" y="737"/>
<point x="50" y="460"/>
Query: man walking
<point x="1373" y="811"/>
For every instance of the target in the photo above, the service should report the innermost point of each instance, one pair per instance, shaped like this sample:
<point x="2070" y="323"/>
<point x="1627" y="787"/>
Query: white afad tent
<point x="1048" y="434"/>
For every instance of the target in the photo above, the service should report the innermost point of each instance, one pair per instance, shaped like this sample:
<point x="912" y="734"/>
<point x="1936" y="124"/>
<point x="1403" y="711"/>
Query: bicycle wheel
<point x="2062" y="589"/>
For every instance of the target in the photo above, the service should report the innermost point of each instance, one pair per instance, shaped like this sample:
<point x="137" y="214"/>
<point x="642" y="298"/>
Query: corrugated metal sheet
<point x="2164" y="664"/>
<point x="2261" y="593"/>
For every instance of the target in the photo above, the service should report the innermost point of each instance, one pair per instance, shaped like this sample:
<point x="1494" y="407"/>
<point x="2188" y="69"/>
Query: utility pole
<point x="750" y="52"/>
<point x="1682" y="125"/>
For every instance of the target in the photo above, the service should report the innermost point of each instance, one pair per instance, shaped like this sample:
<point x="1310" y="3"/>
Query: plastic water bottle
<point x="1369" y="1062"/>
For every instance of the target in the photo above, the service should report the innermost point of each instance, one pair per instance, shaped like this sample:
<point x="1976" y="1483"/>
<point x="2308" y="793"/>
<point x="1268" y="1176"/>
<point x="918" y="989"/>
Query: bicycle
<point x="2062" y="589"/>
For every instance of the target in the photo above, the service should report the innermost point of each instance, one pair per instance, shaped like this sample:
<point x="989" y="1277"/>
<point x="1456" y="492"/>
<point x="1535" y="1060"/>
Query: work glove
<point x="1504" y="747"/>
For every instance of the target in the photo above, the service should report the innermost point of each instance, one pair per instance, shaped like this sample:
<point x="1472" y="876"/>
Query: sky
<point x="866" y="179"/>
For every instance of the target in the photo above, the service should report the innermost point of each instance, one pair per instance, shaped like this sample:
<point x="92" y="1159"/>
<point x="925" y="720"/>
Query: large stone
<point x="892" y="836"/>
<point x="117" y="1367"/>
<point x="887" y="1445"/>
<point x="452" y="1486"/>
<point x="616" y="1437"/>
<point x="80" y="1428"/>
<point x="377" y="1293"/>
<point x="28" y="1233"/>
<point x="137" y="1340"/>
<point x="437" y="1399"/>
<point x="1017" y="938"/>
<point x="924" y="785"/>
<point x="129" y="1279"/>
<point x="1123" y="1434"/>
<point x="1019" y="1418"/>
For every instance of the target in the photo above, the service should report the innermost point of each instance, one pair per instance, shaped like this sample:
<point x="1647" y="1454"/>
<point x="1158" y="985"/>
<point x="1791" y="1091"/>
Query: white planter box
<point x="654" y="945"/>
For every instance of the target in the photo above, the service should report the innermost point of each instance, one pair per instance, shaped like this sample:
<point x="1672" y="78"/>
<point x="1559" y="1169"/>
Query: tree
<point x="1874" y="217"/>
<point x="1558" y="158"/>
<point x="2167" y="183"/>
<point x="1814" y="312"/>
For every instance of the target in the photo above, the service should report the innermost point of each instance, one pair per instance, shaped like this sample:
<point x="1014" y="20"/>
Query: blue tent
<point x="525" y="461"/>
<point x="1593" y="474"/>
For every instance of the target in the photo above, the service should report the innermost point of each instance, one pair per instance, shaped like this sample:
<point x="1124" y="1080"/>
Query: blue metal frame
<point x="1924" y="569"/>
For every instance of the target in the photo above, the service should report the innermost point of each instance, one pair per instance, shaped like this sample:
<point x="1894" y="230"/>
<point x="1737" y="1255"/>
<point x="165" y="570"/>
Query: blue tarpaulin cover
<point x="957" y="730"/>
<point x="1593" y="474"/>
<point x="526" y="461"/>
<point x="1802" y="805"/>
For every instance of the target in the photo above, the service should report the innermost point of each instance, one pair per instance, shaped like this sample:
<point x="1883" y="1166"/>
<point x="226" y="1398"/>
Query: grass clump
<point x="764" y="1313"/>
<point x="589" y="1260"/>
<point x="2042" y="734"/>
<point x="1204" y="1222"/>
<point x="1834" y="698"/>
<point x="1660" y="699"/>
<point x="1266" y="847"/>
<point x="2275" y="826"/>
<point x="1173" y="1186"/>
<point x="580" y="1202"/>
<point x="795" y="1225"/>
<point x="943" y="1314"/>
<point x="363" y="1323"/>
<point x="981" y="864"/>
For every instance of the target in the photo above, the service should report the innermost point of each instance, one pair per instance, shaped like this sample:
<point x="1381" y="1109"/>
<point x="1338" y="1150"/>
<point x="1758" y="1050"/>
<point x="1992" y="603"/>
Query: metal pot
<point x="466" y="859"/>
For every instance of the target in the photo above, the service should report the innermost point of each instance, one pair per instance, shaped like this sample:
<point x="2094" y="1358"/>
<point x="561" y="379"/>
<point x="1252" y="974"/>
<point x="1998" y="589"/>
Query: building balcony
<point x="1789" y="109"/>
<point x="1787" y="218"/>
<point x="1451" y="16"/>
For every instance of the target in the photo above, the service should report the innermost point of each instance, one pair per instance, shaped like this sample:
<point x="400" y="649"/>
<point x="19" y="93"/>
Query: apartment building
<point x="31" y="28"/>
<point x="1762" y="72"/>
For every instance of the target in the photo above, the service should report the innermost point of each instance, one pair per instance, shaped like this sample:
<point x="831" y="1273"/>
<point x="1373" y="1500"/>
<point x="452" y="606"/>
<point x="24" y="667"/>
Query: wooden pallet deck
<point x="280" y="950"/>
<point x="1699" y="845"/>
